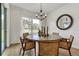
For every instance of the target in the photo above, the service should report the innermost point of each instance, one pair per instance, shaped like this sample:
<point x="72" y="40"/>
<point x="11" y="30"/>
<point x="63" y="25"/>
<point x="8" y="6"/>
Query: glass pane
<point x="30" y="25"/>
<point x="26" y="25"/>
<point x="36" y="26"/>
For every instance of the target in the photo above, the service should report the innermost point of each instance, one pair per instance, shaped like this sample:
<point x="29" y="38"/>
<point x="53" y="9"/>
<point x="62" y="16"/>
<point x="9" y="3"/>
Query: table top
<point x="36" y="37"/>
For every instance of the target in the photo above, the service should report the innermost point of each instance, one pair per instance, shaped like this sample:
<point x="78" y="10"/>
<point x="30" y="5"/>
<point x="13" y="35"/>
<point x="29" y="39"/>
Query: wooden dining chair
<point x="26" y="44"/>
<point x="49" y="48"/>
<point x="66" y="43"/>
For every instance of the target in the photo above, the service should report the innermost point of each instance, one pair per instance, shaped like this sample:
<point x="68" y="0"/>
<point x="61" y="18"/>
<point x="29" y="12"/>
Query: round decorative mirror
<point x="64" y="22"/>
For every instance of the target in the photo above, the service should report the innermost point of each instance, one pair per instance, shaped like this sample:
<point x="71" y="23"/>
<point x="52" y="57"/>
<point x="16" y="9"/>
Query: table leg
<point x="37" y="48"/>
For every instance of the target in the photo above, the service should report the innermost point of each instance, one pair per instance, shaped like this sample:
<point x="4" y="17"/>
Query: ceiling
<point x="35" y="7"/>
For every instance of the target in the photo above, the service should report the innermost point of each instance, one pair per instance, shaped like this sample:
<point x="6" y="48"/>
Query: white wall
<point x="15" y="27"/>
<point x="73" y="10"/>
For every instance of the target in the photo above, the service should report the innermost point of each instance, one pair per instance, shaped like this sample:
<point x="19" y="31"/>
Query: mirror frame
<point x="71" y="19"/>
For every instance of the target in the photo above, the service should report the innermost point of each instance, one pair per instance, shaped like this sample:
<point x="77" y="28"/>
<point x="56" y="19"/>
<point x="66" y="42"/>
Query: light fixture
<point x="41" y="15"/>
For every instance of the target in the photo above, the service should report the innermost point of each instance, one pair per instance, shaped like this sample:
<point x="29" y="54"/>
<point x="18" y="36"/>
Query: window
<point x="30" y="25"/>
<point x="36" y="26"/>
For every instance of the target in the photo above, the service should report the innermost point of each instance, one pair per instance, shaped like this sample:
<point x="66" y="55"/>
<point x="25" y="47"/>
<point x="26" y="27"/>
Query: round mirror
<point x="64" y="22"/>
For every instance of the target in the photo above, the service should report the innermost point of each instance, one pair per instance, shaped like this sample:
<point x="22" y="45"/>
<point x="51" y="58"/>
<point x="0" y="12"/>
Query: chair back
<point x="22" y="42"/>
<point x="55" y="33"/>
<point x="49" y="48"/>
<point x="71" y="40"/>
<point x="25" y="35"/>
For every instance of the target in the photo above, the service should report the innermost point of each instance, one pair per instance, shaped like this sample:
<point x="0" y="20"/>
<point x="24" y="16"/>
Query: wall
<point x="15" y="26"/>
<point x="73" y="10"/>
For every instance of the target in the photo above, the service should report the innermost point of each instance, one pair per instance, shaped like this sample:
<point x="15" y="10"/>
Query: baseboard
<point x="75" y="48"/>
<point x="14" y="44"/>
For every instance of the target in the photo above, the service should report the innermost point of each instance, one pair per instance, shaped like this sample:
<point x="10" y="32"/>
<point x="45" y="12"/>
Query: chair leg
<point x="20" y="51"/>
<point x="35" y="51"/>
<point x="70" y="53"/>
<point x="23" y="52"/>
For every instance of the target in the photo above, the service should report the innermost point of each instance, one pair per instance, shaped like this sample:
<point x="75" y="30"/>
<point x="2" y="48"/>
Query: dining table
<point x="36" y="38"/>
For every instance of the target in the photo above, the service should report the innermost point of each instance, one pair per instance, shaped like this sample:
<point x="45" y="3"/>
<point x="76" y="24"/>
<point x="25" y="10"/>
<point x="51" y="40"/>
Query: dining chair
<point x="26" y="44"/>
<point x="49" y="48"/>
<point x="66" y="43"/>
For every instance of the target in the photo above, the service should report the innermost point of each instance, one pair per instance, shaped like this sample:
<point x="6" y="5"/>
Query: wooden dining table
<point x="36" y="38"/>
